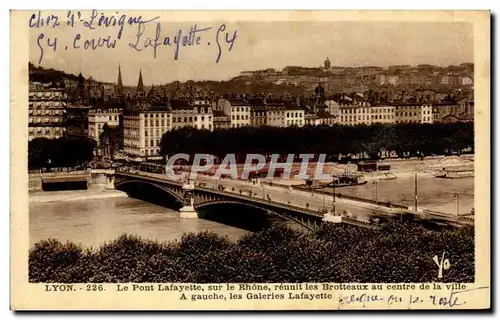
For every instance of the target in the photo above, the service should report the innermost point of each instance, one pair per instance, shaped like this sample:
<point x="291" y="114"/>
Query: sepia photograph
<point x="268" y="163"/>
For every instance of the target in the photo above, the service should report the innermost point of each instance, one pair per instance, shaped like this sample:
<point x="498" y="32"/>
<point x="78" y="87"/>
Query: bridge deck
<point x="278" y="204"/>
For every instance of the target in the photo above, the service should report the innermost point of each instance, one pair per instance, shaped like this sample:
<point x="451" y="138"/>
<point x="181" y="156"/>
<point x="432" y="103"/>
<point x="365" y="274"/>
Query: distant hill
<point x="238" y="85"/>
<point x="39" y="74"/>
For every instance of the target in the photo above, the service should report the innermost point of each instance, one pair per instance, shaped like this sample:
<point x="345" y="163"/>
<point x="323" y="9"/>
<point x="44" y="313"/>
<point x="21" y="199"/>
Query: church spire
<point x="120" y="82"/>
<point x="140" y="84"/>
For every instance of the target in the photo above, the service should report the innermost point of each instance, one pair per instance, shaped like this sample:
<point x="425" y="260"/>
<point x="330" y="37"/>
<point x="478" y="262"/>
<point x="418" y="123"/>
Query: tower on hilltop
<point x="328" y="64"/>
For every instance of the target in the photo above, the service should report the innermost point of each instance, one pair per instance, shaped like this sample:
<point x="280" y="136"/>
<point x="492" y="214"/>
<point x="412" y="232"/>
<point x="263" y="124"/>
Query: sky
<point x="257" y="45"/>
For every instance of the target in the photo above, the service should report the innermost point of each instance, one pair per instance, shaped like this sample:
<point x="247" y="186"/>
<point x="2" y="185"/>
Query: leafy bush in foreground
<point x="400" y="252"/>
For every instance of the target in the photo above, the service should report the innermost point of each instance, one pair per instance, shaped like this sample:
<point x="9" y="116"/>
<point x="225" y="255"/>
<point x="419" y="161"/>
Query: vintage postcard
<point x="250" y="160"/>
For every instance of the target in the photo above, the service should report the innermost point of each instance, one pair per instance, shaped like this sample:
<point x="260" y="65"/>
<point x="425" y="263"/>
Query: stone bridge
<point x="192" y="198"/>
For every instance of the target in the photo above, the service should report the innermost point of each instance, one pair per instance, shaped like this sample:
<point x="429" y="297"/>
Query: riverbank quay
<point x="74" y="195"/>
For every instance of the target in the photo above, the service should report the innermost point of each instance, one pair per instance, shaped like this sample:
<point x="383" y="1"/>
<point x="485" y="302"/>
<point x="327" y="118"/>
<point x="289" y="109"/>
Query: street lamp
<point x="376" y="190"/>
<point x="323" y="201"/>
<point x="334" y="213"/>
<point x="456" y="195"/>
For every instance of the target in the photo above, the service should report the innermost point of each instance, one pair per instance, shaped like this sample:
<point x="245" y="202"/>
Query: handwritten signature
<point x="449" y="299"/>
<point x="222" y="39"/>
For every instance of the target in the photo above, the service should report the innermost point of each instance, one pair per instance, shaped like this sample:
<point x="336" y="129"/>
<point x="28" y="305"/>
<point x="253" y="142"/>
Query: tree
<point x="413" y="139"/>
<point x="62" y="152"/>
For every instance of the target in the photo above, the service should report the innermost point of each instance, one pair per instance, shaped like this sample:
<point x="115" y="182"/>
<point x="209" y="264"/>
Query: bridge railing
<point x="269" y="201"/>
<point x="340" y="196"/>
<point x="358" y="223"/>
<point x="148" y="176"/>
<point x="261" y="201"/>
<point x="59" y="174"/>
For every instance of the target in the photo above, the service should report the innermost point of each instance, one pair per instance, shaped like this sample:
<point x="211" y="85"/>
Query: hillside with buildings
<point x="130" y="121"/>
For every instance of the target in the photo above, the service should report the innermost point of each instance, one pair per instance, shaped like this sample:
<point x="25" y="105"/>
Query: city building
<point x="182" y="114"/>
<point x="221" y="120"/>
<point x="449" y="80"/>
<point x="46" y="111"/>
<point x="276" y="115"/>
<point x="294" y="115"/>
<point x="384" y="79"/>
<point x="454" y="119"/>
<point x="77" y="120"/>
<point x="381" y="114"/>
<point x="101" y="115"/>
<point x="442" y="110"/>
<point x="466" y="104"/>
<point x="414" y="113"/>
<point x="143" y="130"/>
<point x="349" y="115"/>
<point x="238" y="111"/>
<point x="465" y="81"/>
<point x="332" y="107"/>
<point x="108" y="89"/>
<point x="363" y="114"/>
<point x="366" y="114"/>
<point x="197" y="115"/>
<point x="110" y="141"/>
<point x="258" y="115"/>
<point x="203" y="114"/>
<point x="70" y="83"/>
<point x="392" y="80"/>
<point x="321" y="118"/>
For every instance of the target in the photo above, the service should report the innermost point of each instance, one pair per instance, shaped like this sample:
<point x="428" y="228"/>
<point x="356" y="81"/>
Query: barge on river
<point x="455" y="173"/>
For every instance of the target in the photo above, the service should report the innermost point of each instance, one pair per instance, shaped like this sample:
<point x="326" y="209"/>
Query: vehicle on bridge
<point x="347" y="180"/>
<point x="152" y="167"/>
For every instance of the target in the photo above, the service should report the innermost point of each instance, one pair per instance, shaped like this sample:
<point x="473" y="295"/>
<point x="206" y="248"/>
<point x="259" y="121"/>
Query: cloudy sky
<point x="258" y="45"/>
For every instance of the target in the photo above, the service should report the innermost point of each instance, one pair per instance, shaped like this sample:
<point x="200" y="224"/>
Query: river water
<point x="92" y="222"/>
<point x="433" y="193"/>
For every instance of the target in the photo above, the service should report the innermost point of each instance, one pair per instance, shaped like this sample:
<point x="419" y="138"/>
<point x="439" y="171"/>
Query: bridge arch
<point x="175" y="195"/>
<point x="255" y="206"/>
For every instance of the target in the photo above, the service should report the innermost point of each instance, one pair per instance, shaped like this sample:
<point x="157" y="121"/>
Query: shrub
<point x="400" y="252"/>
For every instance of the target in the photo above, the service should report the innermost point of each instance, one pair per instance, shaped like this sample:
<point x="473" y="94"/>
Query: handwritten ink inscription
<point x="220" y="37"/>
<point x="191" y="38"/>
<point x="451" y="298"/>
